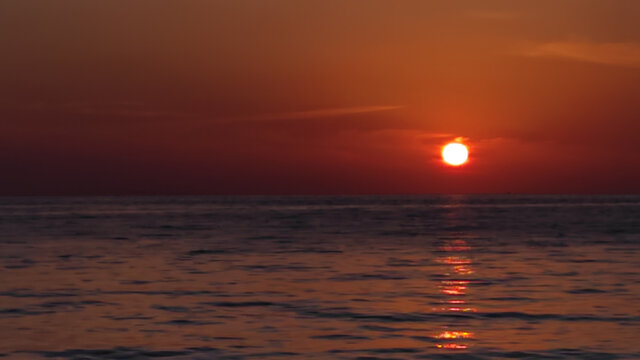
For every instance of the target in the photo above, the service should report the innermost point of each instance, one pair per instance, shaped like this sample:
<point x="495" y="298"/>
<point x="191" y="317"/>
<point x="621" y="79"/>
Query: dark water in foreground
<point x="469" y="277"/>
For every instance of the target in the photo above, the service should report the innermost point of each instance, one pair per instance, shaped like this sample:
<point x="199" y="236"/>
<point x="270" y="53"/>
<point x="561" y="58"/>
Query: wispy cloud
<point x="316" y="113"/>
<point x="620" y="54"/>
<point x="492" y="15"/>
<point x="128" y="110"/>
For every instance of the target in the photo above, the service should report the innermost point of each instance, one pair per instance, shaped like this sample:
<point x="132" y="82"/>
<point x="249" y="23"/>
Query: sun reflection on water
<point x="454" y="288"/>
<point x="455" y="335"/>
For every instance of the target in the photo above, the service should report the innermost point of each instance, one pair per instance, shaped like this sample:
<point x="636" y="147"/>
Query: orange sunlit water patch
<point x="452" y="346"/>
<point x="452" y="260"/>
<point x="454" y="290"/>
<point x="455" y="282"/>
<point x="455" y="245"/>
<point x="455" y="335"/>
<point x="453" y="248"/>
<point x="459" y="309"/>
<point x="463" y="270"/>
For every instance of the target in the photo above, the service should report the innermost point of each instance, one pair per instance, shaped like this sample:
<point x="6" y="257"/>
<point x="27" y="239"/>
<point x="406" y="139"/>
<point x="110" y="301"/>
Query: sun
<point x="455" y="154"/>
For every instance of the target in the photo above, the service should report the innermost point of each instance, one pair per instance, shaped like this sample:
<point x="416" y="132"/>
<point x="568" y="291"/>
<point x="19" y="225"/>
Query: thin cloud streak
<point x="619" y="54"/>
<point x="493" y="15"/>
<point x="138" y="110"/>
<point x="316" y="113"/>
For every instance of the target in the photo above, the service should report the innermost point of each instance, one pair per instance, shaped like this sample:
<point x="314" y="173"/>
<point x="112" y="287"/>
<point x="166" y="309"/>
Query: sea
<point x="320" y="277"/>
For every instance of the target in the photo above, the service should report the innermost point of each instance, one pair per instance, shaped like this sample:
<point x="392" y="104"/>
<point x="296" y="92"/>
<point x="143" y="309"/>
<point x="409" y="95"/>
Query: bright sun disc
<point x="455" y="154"/>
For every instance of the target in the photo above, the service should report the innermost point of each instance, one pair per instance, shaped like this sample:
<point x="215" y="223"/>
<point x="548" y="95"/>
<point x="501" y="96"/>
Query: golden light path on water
<point x="454" y="287"/>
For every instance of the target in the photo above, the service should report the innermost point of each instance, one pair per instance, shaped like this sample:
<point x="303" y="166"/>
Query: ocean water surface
<point x="416" y="277"/>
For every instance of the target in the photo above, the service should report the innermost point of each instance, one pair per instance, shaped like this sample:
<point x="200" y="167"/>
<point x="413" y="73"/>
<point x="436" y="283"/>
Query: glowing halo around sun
<point x="455" y="154"/>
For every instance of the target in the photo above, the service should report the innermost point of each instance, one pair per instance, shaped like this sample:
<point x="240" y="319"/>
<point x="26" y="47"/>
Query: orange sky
<point x="318" y="97"/>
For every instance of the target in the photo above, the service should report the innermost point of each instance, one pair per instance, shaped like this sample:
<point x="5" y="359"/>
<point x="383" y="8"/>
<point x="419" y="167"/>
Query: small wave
<point x="421" y="317"/>
<point x="243" y="304"/>
<point x="309" y="250"/>
<point x="175" y="309"/>
<point x="73" y="304"/>
<point x="586" y="291"/>
<point x="550" y="354"/>
<point x="208" y="252"/>
<point x="23" y="312"/>
<point x="269" y="354"/>
<point x="181" y="322"/>
<point x="134" y="282"/>
<point x="358" y="277"/>
<point x="120" y="353"/>
<point x="128" y="318"/>
<point x="360" y="354"/>
<point x="339" y="337"/>
<point x="382" y="328"/>
<point x="161" y="293"/>
<point x="276" y="268"/>
<point x="526" y="316"/>
<point x="509" y="298"/>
